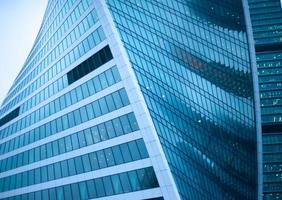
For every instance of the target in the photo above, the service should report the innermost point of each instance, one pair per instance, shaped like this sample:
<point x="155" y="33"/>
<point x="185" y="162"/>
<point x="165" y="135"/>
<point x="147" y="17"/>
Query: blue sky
<point x="20" y="21"/>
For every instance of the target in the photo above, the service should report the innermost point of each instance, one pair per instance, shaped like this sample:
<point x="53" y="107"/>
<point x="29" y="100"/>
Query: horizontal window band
<point x="98" y="59"/>
<point x="272" y="128"/>
<point x="269" y="48"/>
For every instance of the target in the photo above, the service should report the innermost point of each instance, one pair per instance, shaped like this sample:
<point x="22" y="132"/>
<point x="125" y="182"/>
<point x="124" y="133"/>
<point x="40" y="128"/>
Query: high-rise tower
<point x="266" y="19"/>
<point x="132" y="99"/>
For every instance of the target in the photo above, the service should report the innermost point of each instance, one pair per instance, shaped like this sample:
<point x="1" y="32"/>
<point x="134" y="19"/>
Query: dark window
<point x="89" y="65"/>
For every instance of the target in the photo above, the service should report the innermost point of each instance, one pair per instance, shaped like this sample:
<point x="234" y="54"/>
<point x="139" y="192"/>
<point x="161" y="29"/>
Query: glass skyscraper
<point x="129" y="99"/>
<point x="267" y="28"/>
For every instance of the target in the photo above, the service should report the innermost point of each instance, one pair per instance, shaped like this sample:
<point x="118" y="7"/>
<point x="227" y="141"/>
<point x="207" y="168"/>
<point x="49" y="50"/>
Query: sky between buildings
<point x="20" y="21"/>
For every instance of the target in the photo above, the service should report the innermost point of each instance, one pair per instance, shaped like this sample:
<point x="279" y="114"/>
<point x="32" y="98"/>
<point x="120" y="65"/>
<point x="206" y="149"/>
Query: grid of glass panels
<point x="72" y="55"/>
<point x="266" y="19"/>
<point x="89" y="88"/>
<point x="131" y="181"/>
<point x="70" y="29"/>
<point x="111" y="129"/>
<point x="77" y="94"/>
<point x="56" y="35"/>
<point x="116" y="155"/>
<point x="192" y="63"/>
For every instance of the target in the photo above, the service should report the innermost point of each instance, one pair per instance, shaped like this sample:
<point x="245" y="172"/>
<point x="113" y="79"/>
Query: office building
<point x="266" y="19"/>
<point x="129" y="99"/>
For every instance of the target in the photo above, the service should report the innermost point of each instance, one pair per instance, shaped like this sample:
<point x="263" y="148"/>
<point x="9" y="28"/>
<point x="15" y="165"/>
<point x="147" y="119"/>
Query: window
<point x="117" y="127"/>
<point x="83" y="190"/>
<point x="86" y="163"/>
<point x="125" y="182"/>
<point x="134" y="150"/>
<point x="110" y="103"/>
<point x="117" y="155"/>
<point x="57" y="169"/>
<point x="125" y="152"/>
<point x="60" y="193"/>
<point x="93" y="161"/>
<point x="109" y="157"/>
<point x="103" y="105"/>
<point x="95" y="134"/>
<point x="81" y="139"/>
<point x="96" y="109"/>
<point x="125" y="124"/>
<point x="134" y="180"/>
<point x="67" y="192"/>
<point x="78" y="165"/>
<point x="103" y="132"/>
<point x="74" y="140"/>
<point x="91" y="189"/>
<point x="118" y="101"/>
<point x="99" y="187"/>
<point x="110" y="129"/>
<point x="101" y="159"/>
<point x="75" y="191"/>
<point x="108" y="185"/>
<point x="116" y="184"/>
<point x="142" y="148"/>
<point x="65" y="171"/>
<point x="133" y="122"/>
<point x="88" y="136"/>
<point x="71" y="166"/>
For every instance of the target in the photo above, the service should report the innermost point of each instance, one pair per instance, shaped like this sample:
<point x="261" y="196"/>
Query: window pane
<point x="93" y="161"/>
<point x="101" y="159"/>
<point x="117" y="127"/>
<point x="81" y="139"/>
<point x="109" y="157"/>
<point x="71" y="166"/>
<point x="96" y="109"/>
<point x="116" y="184"/>
<point x="83" y="191"/>
<point x="86" y="163"/>
<point x="88" y="137"/>
<point x="134" y="180"/>
<point x="75" y="191"/>
<point x="125" y="124"/>
<point x="133" y="122"/>
<point x="78" y="165"/>
<point x="103" y="106"/>
<point x="67" y="192"/>
<point x="95" y="134"/>
<point x="102" y="132"/>
<point x="60" y="193"/>
<point x="142" y="148"/>
<point x="100" y="187"/>
<point x="125" y="153"/>
<point x="110" y="129"/>
<point x="117" y="155"/>
<point x="125" y="182"/>
<point x="134" y="150"/>
<point x="108" y="185"/>
<point x="91" y="189"/>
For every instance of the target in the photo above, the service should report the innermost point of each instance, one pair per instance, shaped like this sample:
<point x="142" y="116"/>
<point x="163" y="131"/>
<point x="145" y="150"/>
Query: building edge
<point x="252" y="56"/>
<point x="138" y="104"/>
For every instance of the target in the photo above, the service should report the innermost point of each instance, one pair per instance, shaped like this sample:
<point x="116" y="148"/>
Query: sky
<point x="20" y="21"/>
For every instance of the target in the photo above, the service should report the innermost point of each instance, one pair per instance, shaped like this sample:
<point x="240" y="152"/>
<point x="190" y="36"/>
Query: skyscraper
<point x="267" y="28"/>
<point x="132" y="99"/>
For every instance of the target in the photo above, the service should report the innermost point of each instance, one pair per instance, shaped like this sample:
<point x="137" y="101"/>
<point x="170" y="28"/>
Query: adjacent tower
<point x="267" y="28"/>
<point x="129" y="99"/>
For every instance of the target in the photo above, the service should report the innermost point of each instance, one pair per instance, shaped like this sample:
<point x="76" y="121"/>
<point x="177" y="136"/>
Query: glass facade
<point x="191" y="59"/>
<point x="267" y="29"/>
<point x="175" y="122"/>
<point x="67" y="128"/>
